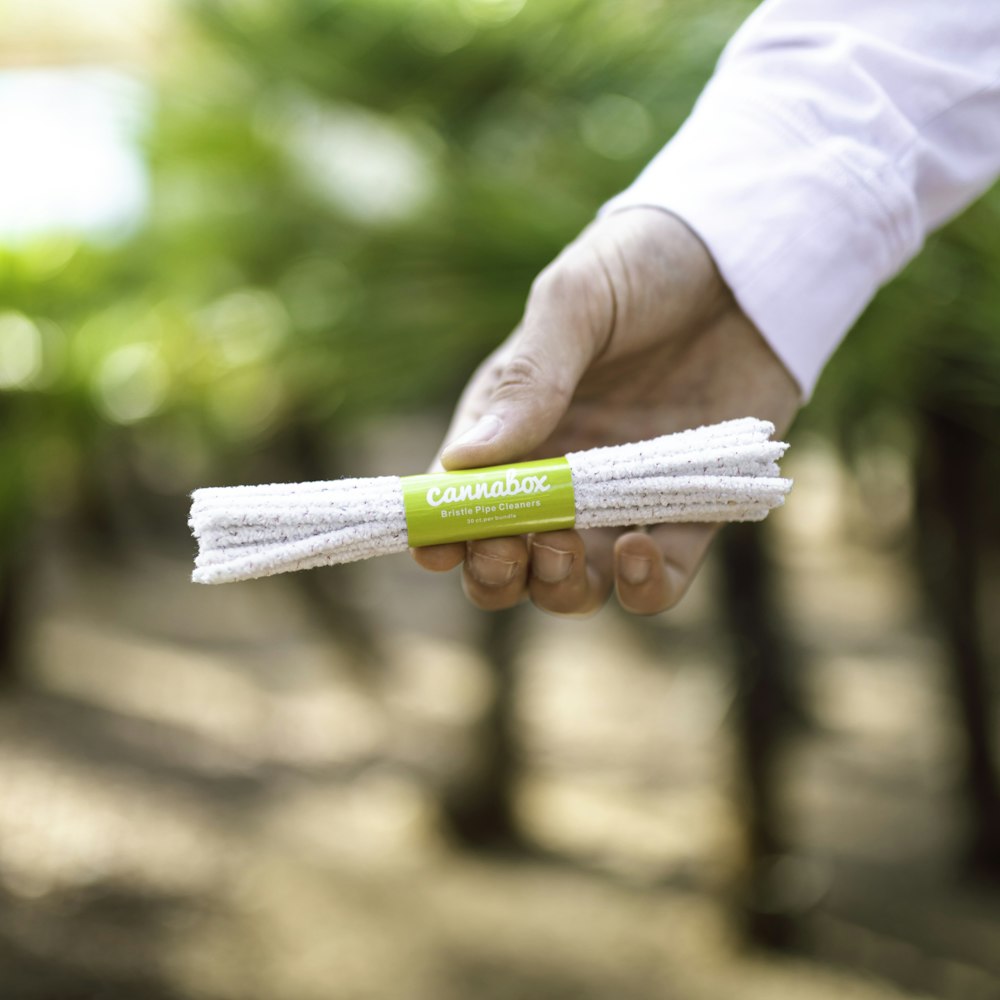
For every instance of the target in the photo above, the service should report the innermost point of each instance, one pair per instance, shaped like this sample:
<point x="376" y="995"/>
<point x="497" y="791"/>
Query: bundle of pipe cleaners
<point x="722" y="472"/>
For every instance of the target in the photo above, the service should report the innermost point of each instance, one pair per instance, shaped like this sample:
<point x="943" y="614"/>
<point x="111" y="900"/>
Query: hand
<point x="630" y="333"/>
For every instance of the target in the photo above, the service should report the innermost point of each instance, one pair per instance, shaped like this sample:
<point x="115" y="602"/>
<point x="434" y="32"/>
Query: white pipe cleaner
<point x="724" y="472"/>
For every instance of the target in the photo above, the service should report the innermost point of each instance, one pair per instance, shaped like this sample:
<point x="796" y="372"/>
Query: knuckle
<point x="559" y="283"/>
<point x="521" y="372"/>
<point x="509" y="549"/>
<point x="525" y="375"/>
<point x="491" y="370"/>
<point x="571" y="274"/>
<point x="576" y="285"/>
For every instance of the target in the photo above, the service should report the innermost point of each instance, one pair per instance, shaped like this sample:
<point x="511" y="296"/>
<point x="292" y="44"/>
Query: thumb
<point x="528" y="386"/>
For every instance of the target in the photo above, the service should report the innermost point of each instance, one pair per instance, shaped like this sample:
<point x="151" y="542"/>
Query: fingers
<point x="654" y="570"/>
<point x="526" y="388"/>
<point x="558" y="570"/>
<point x="569" y="577"/>
<point x="572" y="573"/>
<point x="495" y="573"/>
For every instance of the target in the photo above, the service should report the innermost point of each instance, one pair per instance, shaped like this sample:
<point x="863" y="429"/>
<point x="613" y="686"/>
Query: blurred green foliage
<point x="350" y="200"/>
<point x="929" y="342"/>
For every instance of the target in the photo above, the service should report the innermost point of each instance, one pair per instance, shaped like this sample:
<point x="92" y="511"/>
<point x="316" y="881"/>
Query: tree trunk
<point x="954" y="502"/>
<point x="13" y="585"/>
<point x="481" y="812"/>
<point x="766" y="704"/>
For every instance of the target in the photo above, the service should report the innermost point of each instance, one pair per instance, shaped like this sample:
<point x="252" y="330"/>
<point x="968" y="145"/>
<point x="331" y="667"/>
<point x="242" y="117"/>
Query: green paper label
<point x="488" y="503"/>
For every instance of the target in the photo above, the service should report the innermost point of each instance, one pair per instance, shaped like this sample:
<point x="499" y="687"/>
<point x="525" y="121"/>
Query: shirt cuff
<point x="804" y="225"/>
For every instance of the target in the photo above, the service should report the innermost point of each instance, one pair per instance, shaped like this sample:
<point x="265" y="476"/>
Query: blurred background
<point x="258" y="240"/>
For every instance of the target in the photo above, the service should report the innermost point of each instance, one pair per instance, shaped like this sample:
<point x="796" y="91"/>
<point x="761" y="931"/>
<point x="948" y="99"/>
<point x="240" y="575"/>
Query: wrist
<point x="665" y="279"/>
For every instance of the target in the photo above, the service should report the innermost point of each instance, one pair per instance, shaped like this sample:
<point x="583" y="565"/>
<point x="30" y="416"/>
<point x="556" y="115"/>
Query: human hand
<point x="630" y="333"/>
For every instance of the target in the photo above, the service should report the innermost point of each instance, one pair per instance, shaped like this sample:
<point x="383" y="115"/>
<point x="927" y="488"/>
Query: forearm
<point x="832" y="138"/>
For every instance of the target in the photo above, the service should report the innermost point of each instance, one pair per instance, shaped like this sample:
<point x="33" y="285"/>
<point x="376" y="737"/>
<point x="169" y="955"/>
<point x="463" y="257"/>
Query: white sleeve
<point x="834" y="135"/>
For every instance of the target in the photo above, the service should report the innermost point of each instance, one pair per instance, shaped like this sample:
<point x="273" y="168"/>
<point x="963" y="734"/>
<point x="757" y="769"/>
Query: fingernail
<point x="550" y="565"/>
<point x="485" y="429"/>
<point x="491" y="570"/>
<point x="634" y="569"/>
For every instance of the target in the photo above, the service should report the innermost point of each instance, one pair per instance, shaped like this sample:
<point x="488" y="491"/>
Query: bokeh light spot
<point x="246" y="325"/>
<point x="363" y="163"/>
<point x="71" y="162"/>
<point x="615" y="126"/>
<point x="491" y="11"/>
<point x="318" y="292"/>
<point x="132" y="383"/>
<point x="246" y="403"/>
<point x="20" y="351"/>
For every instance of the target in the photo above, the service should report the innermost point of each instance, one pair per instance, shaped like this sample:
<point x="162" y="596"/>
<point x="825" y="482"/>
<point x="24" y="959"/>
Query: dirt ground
<point x="217" y="793"/>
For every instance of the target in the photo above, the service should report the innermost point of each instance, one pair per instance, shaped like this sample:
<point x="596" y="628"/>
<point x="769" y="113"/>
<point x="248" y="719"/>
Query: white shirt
<point x="834" y="135"/>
